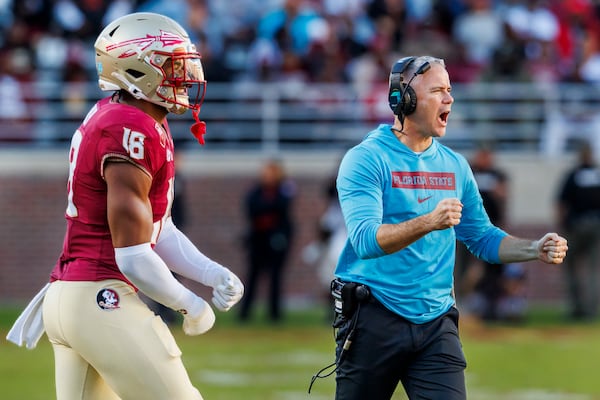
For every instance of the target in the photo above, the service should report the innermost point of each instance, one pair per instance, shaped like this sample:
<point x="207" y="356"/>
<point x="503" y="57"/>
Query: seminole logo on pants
<point x="107" y="299"/>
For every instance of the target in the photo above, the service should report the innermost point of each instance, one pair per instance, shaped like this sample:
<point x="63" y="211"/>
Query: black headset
<point x="402" y="97"/>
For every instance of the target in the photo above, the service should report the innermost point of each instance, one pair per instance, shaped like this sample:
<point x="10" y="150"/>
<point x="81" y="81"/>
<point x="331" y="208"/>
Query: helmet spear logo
<point x="166" y="38"/>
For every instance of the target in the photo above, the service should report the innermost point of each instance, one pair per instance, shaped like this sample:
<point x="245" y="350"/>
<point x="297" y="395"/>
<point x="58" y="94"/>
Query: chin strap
<point x="199" y="128"/>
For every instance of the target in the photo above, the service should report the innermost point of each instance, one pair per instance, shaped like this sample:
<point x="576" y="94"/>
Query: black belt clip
<point x="347" y="296"/>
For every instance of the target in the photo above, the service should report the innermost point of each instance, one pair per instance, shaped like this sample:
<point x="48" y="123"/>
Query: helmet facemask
<point x="183" y="86"/>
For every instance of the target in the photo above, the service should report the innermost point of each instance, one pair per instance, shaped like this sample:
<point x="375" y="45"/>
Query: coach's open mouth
<point x="444" y="117"/>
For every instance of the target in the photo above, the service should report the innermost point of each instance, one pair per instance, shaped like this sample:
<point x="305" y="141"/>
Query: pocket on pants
<point x="166" y="337"/>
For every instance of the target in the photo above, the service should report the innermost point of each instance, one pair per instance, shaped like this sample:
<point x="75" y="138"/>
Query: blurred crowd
<point x="340" y="41"/>
<point x="351" y="42"/>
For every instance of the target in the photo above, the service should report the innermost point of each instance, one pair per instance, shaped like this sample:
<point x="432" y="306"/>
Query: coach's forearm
<point x="514" y="249"/>
<point x="394" y="237"/>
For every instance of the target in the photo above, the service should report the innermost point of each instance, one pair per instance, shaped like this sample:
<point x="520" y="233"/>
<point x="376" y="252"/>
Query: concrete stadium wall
<point x="32" y="203"/>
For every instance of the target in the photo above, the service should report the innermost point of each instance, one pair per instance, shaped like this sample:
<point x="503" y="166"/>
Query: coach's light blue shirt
<point x="381" y="181"/>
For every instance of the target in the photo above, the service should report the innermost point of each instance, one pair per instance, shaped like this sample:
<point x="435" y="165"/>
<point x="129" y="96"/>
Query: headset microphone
<point x="423" y="68"/>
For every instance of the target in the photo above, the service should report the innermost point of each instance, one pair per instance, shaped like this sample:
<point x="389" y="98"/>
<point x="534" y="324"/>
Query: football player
<point x="120" y="237"/>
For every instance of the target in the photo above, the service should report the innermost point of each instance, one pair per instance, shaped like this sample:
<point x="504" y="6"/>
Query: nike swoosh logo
<point x="422" y="199"/>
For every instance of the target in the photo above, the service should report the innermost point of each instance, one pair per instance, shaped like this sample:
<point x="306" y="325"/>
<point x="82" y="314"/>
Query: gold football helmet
<point x="151" y="56"/>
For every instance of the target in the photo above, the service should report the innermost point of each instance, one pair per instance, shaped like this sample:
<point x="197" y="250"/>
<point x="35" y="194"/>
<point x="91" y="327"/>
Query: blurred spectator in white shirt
<point x="479" y="31"/>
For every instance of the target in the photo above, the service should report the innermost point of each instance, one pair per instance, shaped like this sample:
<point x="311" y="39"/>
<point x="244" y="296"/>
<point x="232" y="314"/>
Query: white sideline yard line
<point x="301" y="395"/>
<point x="530" y="394"/>
<point x="274" y="360"/>
<point x="227" y="377"/>
<point x="240" y="379"/>
<point x="224" y="378"/>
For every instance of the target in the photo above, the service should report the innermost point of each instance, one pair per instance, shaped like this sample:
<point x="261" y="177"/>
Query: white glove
<point x="227" y="290"/>
<point x="199" y="318"/>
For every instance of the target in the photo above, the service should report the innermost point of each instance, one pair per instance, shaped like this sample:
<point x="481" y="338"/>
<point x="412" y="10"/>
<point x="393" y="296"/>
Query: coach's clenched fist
<point x="446" y="214"/>
<point x="552" y="248"/>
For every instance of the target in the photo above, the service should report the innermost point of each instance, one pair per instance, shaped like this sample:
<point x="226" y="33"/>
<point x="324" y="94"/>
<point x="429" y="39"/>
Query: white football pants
<point x="108" y="345"/>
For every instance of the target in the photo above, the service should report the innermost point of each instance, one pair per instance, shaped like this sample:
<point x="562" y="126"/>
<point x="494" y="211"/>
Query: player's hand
<point x="227" y="291"/>
<point x="446" y="214"/>
<point x="199" y="318"/>
<point x="552" y="248"/>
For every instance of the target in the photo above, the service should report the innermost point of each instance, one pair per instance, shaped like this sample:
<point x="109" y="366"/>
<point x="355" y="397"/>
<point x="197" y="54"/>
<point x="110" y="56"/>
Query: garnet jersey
<point x="110" y="130"/>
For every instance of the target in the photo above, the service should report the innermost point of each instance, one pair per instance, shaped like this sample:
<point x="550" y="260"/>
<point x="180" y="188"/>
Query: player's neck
<point x="158" y="113"/>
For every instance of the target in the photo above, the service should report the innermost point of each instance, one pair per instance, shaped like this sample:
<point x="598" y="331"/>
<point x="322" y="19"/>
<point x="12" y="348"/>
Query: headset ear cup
<point x="394" y="100"/>
<point x="408" y="103"/>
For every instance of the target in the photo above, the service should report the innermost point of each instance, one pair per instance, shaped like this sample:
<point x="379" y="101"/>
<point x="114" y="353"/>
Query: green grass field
<point x="544" y="359"/>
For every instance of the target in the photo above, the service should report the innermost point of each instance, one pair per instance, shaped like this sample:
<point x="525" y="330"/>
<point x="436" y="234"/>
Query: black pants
<point x="582" y="267"/>
<point x="386" y="349"/>
<point x="271" y="263"/>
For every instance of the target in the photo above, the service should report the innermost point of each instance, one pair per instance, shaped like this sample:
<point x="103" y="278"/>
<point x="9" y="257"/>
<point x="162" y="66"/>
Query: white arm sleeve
<point x="146" y="270"/>
<point x="184" y="258"/>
